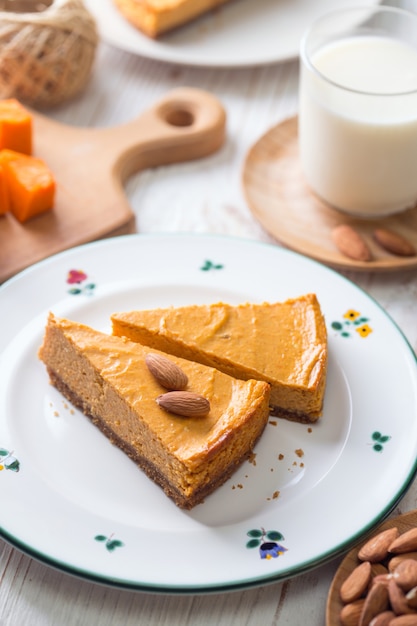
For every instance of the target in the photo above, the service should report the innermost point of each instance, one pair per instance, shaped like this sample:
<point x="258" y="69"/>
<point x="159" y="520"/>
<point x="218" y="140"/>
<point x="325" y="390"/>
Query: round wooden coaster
<point x="280" y="199"/>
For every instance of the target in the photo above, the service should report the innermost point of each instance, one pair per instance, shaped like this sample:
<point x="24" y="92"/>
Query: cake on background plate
<point x="155" y="17"/>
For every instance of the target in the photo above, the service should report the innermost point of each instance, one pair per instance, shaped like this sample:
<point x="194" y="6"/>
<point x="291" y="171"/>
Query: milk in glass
<point x="358" y="124"/>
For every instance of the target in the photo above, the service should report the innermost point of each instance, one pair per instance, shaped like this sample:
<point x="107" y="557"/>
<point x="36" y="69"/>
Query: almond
<point x="411" y="598"/>
<point x="356" y="583"/>
<point x="393" y="242"/>
<point x="166" y="372"/>
<point x="378" y="569"/>
<point x="351" y="613"/>
<point x="398" y="600"/>
<point x="376" y="549"/>
<point x="350" y="243"/>
<point x="407" y="542"/>
<point x="184" y="403"/>
<point x="376" y="601"/>
<point x="383" y="619"/>
<point x="404" y="620"/>
<point x="382" y="578"/>
<point x="405" y="574"/>
<point x="396" y="560"/>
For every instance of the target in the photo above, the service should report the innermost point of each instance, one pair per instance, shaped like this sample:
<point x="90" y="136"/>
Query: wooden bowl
<point x="334" y="604"/>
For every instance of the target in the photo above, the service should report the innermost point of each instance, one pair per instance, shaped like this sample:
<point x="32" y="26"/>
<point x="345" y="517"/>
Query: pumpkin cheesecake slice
<point x="115" y="382"/>
<point x="283" y="344"/>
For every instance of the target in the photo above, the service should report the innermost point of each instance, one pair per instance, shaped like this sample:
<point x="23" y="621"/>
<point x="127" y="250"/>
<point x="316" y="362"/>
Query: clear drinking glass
<point x="358" y="110"/>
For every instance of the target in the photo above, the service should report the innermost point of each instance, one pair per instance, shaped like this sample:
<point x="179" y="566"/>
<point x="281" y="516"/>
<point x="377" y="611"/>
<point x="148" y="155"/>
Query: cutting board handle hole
<point x="178" y="117"/>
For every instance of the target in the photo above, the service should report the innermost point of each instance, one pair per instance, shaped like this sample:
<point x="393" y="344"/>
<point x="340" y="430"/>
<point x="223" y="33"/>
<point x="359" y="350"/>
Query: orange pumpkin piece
<point x="4" y="192"/>
<point x="30" y="184"/>
<point x="15" y="127"/>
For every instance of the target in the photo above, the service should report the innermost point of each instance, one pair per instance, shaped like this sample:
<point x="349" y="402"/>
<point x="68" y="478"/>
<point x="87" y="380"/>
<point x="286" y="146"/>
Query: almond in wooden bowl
<point x="350" y="601"/>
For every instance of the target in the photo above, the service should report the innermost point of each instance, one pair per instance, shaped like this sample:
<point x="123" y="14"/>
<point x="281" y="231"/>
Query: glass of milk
<point x="358" y="110"/>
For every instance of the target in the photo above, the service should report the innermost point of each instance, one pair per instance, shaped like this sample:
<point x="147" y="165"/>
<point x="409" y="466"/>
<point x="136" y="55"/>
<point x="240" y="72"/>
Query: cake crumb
<point x="275" y="495"/>
<point x="280" y="457"/>
<point x="56" y="414"/>
<point x="273" y="422"/>
<point x="309" y="429"/>
<point x="252" y="458"/>
<point x="299" y="452"/>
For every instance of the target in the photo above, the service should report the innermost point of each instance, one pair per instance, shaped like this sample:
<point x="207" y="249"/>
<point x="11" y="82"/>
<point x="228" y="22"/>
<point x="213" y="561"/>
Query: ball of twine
<point x="46" y="57"/>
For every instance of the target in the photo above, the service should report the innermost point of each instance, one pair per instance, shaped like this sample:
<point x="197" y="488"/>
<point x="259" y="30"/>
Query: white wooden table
<point x="194" y="197"/>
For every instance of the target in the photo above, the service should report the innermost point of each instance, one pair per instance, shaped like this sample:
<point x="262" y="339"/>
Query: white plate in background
<point x="242" y="33"/>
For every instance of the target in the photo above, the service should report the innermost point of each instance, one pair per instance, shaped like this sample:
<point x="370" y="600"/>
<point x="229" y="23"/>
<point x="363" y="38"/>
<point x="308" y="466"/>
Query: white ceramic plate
<point x="242" y="33"/>
<point x="72" y="500"/>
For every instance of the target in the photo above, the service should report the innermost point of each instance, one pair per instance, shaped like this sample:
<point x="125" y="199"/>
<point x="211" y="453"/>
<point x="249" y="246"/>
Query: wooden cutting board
<point x="91" y="165"/>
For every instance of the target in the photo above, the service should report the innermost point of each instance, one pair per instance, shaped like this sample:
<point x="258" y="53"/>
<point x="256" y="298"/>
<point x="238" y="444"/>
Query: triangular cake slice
<point x="108" y="379"/>
<point x="284" y="344"/>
